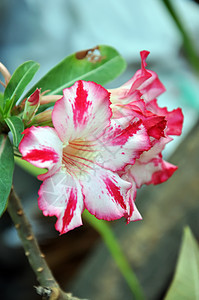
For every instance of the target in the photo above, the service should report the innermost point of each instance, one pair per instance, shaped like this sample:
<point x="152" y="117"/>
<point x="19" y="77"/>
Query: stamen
<point x="71" y="160"/>
<point x="89" y="150"/>
<point x="80" y="157"/>
<point x="82" y="144"/>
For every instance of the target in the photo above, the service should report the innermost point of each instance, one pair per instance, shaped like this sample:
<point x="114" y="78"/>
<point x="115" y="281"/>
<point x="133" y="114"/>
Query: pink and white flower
<point x="137" y="98"/>
<point x="145" y="85"/>
<point x="83" y="153"/>
<point x="102" y="147"/>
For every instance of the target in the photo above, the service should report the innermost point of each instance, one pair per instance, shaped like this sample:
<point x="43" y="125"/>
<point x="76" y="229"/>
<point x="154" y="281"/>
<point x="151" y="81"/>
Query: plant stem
<point x="32" y="251"/>
<point x="188" y="44"/>
<point x="113" y="246"/>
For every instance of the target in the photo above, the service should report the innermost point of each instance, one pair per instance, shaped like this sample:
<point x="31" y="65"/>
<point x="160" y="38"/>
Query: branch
<point x="188" y="43"/>
<point x="49" y="288"/>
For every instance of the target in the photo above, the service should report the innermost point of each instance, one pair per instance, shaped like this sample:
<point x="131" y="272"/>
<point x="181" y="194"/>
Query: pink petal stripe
<point x="122" y="143"/>
<point x="84" y="111"/>
<point x="115" y="192"/>
<point x="165" y="172"/>
<point x="81" y="105"/>
<point x="69" y="212"/>
<point x="41" y="147"/>
<point x="154" y="123"/>
<point x="61" y="196"/>
<point x="105" y="194"/>
<point x="174" y="118"/>
<point x="132" y="211"/>
<point x="43" y="155"/>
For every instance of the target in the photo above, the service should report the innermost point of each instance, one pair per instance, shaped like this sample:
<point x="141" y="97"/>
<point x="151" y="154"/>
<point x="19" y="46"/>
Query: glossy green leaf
<point x="19" y="80"/>
<point x="185" y="284"/>
<point x="6" y="170"/>
<point x="101" y="65"/>
<point x="16" y="127"/>
<point x="8" y="104"/>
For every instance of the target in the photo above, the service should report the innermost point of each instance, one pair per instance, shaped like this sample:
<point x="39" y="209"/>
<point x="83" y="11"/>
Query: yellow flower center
<point x="78" y="156"/>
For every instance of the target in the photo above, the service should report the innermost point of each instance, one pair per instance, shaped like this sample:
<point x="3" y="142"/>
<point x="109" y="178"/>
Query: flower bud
<point x="31" y="106"/>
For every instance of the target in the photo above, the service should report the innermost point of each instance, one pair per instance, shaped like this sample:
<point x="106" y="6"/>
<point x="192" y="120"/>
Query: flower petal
<point x="174" y="118"/>
<point x="165" y="171"/>
<point x="152" y="87"/>
<point x="145" y="84"/>
<point x="123" y="142"/>
<point x="83" y="111"/>
<point x="61" y="196"/>
<point x="132" y="211"/>
<point x="135" y="215"/>
<point x="105" y="194"/>
<point x="154" y="123"/>
<point x="155" y="171"/>
<point x="156" y="149"/>
<point x="42" y="147"/>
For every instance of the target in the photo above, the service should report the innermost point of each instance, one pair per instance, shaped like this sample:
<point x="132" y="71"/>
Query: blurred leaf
<point x="16" y="127"/>
<point x="101" y="65"/>
<point x="185" y="284"/>
<point x="19" y="80"/>
<point x="1" y="99"/>
<point x="1" y="104"/>
<point x="6" y="171"/>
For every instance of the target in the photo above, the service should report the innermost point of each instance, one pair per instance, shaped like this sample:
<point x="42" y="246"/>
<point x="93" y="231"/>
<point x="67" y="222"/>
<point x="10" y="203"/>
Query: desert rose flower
<point x="83" y="153"/>
<point x="137" y="98"/>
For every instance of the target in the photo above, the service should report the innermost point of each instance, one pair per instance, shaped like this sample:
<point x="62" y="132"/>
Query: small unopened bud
<point x="31" y="106"/>
<point x="34" y="98"/>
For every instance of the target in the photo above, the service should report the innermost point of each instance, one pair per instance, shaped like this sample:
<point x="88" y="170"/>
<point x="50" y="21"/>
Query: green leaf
<point x="16" y="127"/>
<point x="19" y="80"/>
<point x="101" y="65"/>
<point x="6" y="170"/>
<point x="185" y="284"/>
<point x="9" y="103"/>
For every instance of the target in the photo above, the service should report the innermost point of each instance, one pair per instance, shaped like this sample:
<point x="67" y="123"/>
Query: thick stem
<point x="32" y="250"/>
